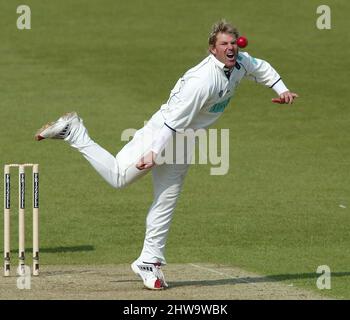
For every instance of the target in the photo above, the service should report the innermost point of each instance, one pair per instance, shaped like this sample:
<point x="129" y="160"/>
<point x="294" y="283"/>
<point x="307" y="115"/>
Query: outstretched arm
<point x="262" y="72"/>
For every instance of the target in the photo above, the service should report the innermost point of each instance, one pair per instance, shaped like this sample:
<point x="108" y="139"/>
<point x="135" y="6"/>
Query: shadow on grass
<point x="59" y="249"/>
<point x="252" y="280"/>
<point x="67" y="249"/>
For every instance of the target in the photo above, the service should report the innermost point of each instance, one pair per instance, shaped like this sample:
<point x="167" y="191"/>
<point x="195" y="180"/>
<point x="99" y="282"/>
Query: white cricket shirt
<point x="201" y="95"/>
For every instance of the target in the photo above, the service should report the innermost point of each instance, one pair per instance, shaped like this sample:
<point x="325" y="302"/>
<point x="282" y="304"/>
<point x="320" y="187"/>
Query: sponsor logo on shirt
<point x="219" y="107"/>
<point x="254" y="61"/>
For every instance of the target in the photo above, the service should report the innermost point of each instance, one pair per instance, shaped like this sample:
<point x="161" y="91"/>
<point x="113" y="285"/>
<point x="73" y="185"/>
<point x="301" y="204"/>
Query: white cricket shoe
<point x="59" y="129"/>
<point x="151" y="274"/>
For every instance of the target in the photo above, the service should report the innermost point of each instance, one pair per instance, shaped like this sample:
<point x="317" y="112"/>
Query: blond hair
<point x="221" y="26"/>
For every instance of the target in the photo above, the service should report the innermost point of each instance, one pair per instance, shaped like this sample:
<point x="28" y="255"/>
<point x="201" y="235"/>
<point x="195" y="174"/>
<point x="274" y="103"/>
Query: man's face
<point x="225" y="49"/>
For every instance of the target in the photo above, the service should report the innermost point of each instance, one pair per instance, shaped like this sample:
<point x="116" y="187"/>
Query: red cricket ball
<point x="242" y="42"/>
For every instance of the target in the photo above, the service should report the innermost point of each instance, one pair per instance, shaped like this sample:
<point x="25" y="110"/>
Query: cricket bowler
<point x="197" y="100"/>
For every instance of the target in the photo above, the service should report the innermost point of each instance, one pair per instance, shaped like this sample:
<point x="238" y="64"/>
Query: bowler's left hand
<point x="286" y="97"/>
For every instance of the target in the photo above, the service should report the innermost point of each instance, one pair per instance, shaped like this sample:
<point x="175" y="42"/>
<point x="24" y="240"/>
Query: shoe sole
<point x="38" y="136"/>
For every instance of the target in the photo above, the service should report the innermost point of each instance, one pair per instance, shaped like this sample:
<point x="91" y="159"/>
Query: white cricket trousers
<point x="120" y="171"/>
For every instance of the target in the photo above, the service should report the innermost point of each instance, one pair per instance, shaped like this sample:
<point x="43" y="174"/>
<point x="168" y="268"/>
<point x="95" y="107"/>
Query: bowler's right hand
<point x="148" y="161"/>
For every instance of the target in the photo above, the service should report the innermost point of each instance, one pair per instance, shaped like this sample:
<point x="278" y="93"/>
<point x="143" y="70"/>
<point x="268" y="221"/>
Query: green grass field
<point x="278" y="210"/>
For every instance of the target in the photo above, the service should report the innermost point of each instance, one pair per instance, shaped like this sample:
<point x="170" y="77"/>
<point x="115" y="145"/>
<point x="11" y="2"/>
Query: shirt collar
<point x="217" y="62"/>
